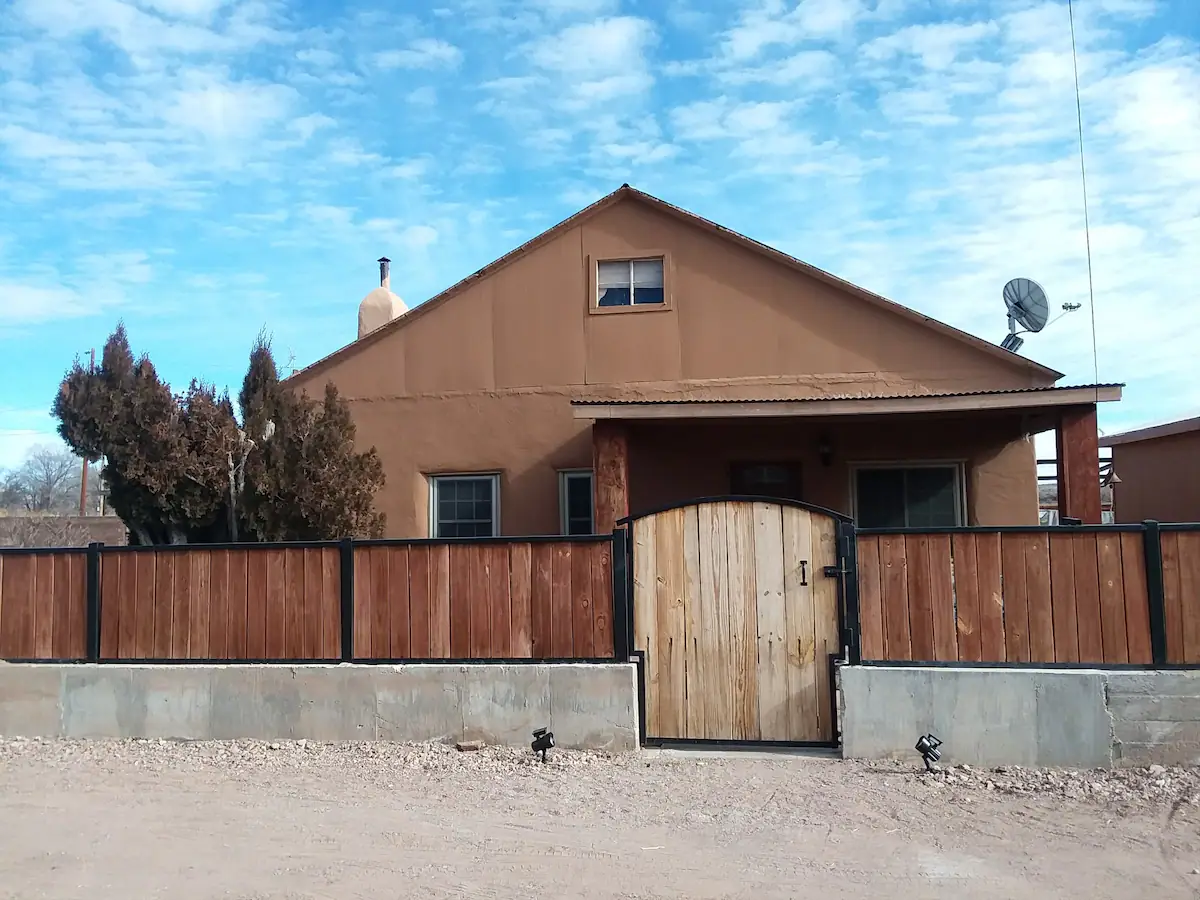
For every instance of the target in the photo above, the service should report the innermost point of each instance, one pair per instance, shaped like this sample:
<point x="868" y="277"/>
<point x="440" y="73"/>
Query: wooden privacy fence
<point x="529" y="598"/>
<point x="1124" y="595"/>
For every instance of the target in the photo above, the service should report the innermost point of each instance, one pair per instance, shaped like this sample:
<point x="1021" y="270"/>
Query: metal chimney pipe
<point x="385" y="276"/>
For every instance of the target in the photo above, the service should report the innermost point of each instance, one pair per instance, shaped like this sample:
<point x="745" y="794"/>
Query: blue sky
<point x="205" y="168"/>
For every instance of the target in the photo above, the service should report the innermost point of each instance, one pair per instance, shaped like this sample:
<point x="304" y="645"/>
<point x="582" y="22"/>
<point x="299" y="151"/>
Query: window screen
<point x="627" y="281"/>
<point x="918" y="497"/>
<point x="464" y="506"/>
<point x="575" y="500"/>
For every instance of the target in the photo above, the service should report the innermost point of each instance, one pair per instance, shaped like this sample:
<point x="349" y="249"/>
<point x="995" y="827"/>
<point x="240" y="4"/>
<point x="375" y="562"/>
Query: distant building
<point x="1159" y="470"/>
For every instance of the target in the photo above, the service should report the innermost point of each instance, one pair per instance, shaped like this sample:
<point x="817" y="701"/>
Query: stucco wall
<point x="1160" y="479"/>
<point x="483" y="380"/>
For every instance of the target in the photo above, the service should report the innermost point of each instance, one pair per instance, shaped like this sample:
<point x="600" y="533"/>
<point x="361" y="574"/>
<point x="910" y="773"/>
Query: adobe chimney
<point x="385" y="276"/>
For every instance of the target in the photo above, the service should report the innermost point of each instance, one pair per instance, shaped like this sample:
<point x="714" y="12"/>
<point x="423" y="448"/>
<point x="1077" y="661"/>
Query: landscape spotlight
<point x="927" y="746"/>
<point x="543" y="740"/>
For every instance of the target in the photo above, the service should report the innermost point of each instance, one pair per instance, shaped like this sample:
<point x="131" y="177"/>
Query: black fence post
<point x="848" y="576"/>
<point x="92" y="615"/>
<point x="347" y="566"/>
<point x="620" y="609"/>
<point x="1152" y="540"/>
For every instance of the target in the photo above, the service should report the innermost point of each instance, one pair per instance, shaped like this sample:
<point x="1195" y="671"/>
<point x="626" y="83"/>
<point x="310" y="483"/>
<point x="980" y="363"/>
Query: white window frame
<point x="960" y="481"/>
<point x="565" y="476"/>
<point x="662" y="262"/>
<point x="435" y="479"/>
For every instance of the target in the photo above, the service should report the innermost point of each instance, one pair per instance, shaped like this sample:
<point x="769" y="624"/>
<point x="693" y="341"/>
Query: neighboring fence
<point x="524" y="598"/>
<point x="1109" y="595"/>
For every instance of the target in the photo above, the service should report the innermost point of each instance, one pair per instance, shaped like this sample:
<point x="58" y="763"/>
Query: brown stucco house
<point x="1158" y="472"/>
<point x="637" y="355"/>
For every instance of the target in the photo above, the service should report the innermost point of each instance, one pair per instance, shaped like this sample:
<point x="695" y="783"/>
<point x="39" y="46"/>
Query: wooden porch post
<point x="1079" y="465"/>
<point x="610" y="461"/>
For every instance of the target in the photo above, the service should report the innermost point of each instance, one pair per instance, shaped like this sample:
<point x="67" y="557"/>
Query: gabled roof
<point x="625" y="192"/>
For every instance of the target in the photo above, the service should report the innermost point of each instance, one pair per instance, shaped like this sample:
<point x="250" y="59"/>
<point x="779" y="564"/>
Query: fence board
<point x="314" y="602"/>
<point x="670" y="618"/>
<point x="920" y="610"/>
<point x="239" y="605"/>
<point x="1014" y="590"/>
<point x="870" y="600"/>
<point x="1112" y="599"/>
<point x="439" y="596"/>
<point x="499" y="597"/>
<point x="143" y="639"/>
<point x="1172" y="596"/>
<point x="895" y="597"/>
<point x="43" y="611"/>
<point x="293" y="604"/>
<point x="825" y="609"/>
<point x="772" y="622"/>
<point x="541" y="600"/>
<point x="181" y="611"/>
<point x="110" y="611"/>
<point x="1189" y="595"/>
<point x="989" y="566"/>
<point x="16" y="598"/>
<point x="693" y="626"/>
<point x="266" y="579"/>
<point x="1039" y="598"/>
<point x="582" y="628"/>
<point x="560" y="603"/>
<point x="941" y="589"/>
<point x="1062" y="593"/>
<point x="61" y="644"/>
<point x="602" y="604"/>
<point x="1137" y="602"/>
<point x="200" y="604"/>
<point x="743" y="622"/>
<point x="399" y="602"/>
<point x="645" y="608"/>
<point x="381" y="612"/>
<point x="966" y="584"/>
<point x="520" y="593"/>
<point x="420" y="605"/>
<point x="1087" y="598"/>
<point x="803" y="653"/>
<point x="362" y="602"/>
<point x="160" y="600"/>
<point x="218" y="607"/>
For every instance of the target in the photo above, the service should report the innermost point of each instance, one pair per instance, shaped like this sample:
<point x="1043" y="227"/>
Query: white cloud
<point x="771" y="23"/>
<point x="598" y="61"/>
<point x="936" y="45"/>
<point x="424" y="53"/>
<point x="221" y="110"/>
<point x="318" y="57"/>
<point x="185" y="9"/>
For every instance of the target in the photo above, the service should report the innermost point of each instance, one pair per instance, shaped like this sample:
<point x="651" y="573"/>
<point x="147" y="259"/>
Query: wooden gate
<point x="737" y="619"/>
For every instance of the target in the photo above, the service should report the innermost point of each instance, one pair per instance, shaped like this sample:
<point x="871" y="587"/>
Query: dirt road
<point x="143" y="820"/>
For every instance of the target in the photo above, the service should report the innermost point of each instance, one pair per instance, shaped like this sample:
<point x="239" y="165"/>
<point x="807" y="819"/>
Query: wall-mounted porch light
<point x="825" y="450"/>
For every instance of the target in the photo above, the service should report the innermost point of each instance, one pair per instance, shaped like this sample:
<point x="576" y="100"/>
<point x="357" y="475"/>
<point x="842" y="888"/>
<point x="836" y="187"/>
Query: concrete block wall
<point x="586" y="706"/>
<point x="1156" y="717"/>
<point x="1028" y="717"/>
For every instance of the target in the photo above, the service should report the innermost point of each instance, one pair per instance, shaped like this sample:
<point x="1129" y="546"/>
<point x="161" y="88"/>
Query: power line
<point x="1087" y="231"/>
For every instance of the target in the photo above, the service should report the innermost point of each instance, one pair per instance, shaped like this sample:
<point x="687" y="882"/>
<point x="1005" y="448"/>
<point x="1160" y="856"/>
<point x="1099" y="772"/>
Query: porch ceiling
<point x="1022" y="399"/>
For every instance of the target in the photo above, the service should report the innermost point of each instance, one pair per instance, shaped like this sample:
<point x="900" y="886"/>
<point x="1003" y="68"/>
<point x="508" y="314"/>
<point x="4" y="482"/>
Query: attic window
<point x="625" y="282"/>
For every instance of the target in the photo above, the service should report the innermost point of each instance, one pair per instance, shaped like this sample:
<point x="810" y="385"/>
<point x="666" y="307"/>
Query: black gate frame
<point x="846" y="572"/>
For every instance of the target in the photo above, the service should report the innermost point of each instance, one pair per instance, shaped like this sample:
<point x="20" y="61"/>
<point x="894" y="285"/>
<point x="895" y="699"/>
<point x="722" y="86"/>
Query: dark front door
<point x="766" y="479"/>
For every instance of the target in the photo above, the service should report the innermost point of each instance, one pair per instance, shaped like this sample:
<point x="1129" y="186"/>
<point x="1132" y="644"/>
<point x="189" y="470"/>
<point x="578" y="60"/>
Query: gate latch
<point x="832" y="571"/>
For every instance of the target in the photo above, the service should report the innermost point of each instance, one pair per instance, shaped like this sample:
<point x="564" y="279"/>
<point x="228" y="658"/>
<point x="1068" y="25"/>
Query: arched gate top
<point x="737" y="498"/>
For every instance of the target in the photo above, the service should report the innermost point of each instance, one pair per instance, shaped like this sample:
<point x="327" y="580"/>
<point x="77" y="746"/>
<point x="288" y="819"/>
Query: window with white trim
<point x="927" y="496"/>
<point x="575" y="509"/>
<point x="626" y="282"/>
<point x="464" y="506"/>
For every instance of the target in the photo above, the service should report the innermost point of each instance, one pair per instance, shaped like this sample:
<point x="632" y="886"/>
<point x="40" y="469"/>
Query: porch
<point x="933" y="460"/>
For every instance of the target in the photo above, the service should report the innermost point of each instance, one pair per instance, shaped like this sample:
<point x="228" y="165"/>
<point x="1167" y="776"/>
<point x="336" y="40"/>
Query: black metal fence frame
<point x="94" y="600"/>
<point x="1151" y="531"/>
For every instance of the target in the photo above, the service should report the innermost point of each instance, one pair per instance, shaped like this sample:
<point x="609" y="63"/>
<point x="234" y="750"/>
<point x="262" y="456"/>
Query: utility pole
<point x="83" y="483"/>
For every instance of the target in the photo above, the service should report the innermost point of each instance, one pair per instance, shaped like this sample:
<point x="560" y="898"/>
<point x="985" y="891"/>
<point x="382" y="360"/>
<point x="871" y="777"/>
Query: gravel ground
<point x="146" y="819"/>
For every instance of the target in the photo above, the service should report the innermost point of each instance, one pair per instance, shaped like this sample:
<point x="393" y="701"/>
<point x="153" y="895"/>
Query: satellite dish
<point x="1027" y="305"/>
